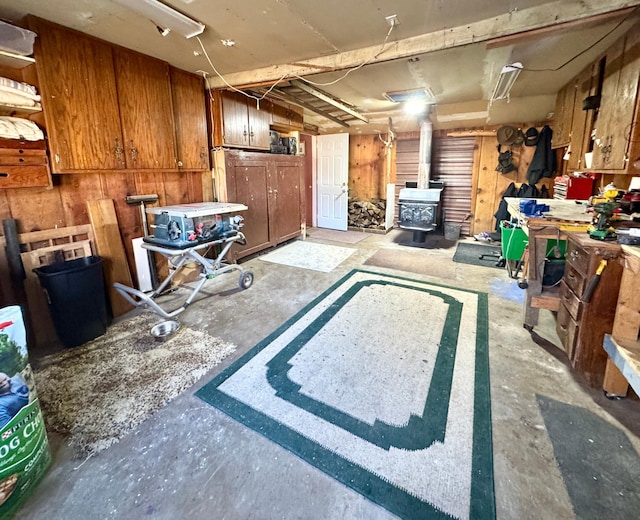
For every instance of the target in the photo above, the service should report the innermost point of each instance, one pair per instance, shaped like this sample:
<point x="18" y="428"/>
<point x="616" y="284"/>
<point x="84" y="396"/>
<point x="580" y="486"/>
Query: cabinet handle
<point x="244" y="133"/>
<point x="574" y="254"/>
<point x="133" y="150"/>
<point x="118" y="150"/>
<point x="251" y="133"/>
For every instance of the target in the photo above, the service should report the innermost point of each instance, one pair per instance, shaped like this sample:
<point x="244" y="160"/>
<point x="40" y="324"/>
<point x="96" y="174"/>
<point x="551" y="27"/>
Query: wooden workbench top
<point x="559" y="211"/>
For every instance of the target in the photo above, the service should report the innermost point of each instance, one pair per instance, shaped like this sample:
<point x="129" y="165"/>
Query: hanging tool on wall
<point x="142" y="200"/>
<point x="586" y="295"/>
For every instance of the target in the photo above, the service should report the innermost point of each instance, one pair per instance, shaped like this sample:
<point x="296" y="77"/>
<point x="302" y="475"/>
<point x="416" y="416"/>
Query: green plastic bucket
<point x="24" y="449"/>
<point x="514" y="241"/>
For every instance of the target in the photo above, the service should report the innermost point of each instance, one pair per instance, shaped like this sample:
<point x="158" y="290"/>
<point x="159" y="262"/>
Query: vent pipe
<point x="424" y="165"/>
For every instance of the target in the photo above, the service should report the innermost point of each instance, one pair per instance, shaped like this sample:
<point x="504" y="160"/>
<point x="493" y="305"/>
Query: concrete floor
<point x="192" y="461"/>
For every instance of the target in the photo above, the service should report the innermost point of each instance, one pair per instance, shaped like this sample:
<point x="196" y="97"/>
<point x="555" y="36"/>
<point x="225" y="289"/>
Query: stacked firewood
<point x="367" y="214"/>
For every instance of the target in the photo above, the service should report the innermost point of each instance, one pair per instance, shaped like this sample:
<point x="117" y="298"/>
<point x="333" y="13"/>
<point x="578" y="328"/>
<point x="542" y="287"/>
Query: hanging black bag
<point x="505" y="161"/>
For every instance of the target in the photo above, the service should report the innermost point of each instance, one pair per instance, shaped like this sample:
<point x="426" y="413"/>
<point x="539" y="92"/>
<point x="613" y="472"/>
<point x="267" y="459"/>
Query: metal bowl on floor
<point x="163" y="330"/>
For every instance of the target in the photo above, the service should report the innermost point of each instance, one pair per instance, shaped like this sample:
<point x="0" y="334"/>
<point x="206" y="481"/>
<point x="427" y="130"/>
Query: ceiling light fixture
<point x="508" y="76"/>
<point x="165" y="17"/>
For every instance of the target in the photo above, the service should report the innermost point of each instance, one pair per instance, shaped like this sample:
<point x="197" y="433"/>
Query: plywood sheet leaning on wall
<point x="109" y="246"/>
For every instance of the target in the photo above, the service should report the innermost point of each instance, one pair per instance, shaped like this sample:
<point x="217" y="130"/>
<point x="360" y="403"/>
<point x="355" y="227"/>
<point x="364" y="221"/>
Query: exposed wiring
<point x="349" y="71"/>
<point x="617" y="26"/>
<point x="284" y="76"/>
<point x="213" y="67"/>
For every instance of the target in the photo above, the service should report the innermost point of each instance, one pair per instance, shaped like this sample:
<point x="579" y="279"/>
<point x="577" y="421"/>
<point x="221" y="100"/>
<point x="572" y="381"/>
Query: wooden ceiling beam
<point x="328" y="99"/>
<point x="511" y="23"/>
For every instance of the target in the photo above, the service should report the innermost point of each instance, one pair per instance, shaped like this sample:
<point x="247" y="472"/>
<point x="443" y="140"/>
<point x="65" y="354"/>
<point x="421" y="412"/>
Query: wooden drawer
<point x="575" y="280"/>
<point x="29" y="176"/>
<point x="577" y="257"/>
<point x="22" y="144"/>
<point x="570" y="301"/>
<point x="566" y="327"/>
<point x="17" y="157"/>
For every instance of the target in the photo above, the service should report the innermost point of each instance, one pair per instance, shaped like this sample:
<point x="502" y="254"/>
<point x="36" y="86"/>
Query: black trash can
<point x="77" y="299"/>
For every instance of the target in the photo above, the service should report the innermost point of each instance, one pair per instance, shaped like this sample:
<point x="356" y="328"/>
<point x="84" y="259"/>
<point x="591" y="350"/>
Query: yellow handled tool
<point x="586" y="295"/>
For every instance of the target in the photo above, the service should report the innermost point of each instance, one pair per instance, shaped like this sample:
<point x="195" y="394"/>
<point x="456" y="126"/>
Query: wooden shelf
<point x="15" y="110"/>
<point x="549" y="299"/>
<point x="15" y="61"/>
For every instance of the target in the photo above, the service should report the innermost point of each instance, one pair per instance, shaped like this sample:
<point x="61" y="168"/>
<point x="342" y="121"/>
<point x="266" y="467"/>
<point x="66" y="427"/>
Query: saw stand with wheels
<point x="209" y="269"/>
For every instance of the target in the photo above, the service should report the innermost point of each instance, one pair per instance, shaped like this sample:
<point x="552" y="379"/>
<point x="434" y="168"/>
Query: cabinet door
<point x="605" y="122"/>
<point x="258" y="125"/>
<point x="79" y="98"/>
<point x="564" y="115"/>
<point x="144" y="94"/>
<point x="279" y="114"/>
<point x="289" y="199"/>
<point x="235" y="123"/>
<point x="582" y="119"/>
<point x="248" y="183"/>
<point x="191" y="123"/>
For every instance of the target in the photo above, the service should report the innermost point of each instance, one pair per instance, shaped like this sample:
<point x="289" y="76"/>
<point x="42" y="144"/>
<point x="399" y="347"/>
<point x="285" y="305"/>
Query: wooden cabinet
<point x="238" y="123"/>
<point x="565" y="102"/>
<point x="617" y="128"/>
<point x="23" y="164"/>
<point x="190" y="119"/>
<point x="79" y="98"/>
<point x="272" y="187"/>
<point x="286" y="117"/>
<point x="581" y="122"/>
<point x="146" y="112"/>
<point x="109" y="108"/>
<point x="581" y="325"/>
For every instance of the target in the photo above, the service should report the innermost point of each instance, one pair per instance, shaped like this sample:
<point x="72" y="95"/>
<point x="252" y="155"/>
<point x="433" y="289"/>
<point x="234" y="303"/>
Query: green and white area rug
<point x="383" y="383"/>
<point x="309" y="255"/>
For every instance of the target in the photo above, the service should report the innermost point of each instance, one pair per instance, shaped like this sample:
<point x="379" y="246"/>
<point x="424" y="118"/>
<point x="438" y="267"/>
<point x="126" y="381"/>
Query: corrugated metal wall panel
<point x="451" y="162"/>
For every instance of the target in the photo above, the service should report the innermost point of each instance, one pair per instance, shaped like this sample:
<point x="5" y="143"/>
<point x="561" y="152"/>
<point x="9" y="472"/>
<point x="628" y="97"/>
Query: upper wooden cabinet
<point x="78" y="88"/>
<point x="109" y="108"/>
<point x="190" y="118"/>
<point x="237" y="122"/>
<point x="565" y="102"/>
<point x="286" y="117"/>
<point x="146" y="111"/>
<point x="581" y="122"/>
<point x="617" y="128"/>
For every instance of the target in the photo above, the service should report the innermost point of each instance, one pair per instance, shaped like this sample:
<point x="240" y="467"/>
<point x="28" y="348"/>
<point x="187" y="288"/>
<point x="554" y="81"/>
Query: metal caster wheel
<point x="523" y="284"/>
<point x="246" y="279"/>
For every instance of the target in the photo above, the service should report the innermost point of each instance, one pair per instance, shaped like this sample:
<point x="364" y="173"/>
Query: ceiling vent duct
<point x="402" y="96"/>
<point x="508" y="76"/>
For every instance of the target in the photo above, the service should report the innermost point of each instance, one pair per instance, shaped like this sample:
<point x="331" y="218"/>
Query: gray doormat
<point x="469" y="253"/>
<point x="413" y="261"/>
<point x="599" y="465"/>
<point x="401" y="414"/>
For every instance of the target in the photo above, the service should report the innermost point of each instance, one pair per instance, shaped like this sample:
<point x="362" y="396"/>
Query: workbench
<point x="564" y="216"/>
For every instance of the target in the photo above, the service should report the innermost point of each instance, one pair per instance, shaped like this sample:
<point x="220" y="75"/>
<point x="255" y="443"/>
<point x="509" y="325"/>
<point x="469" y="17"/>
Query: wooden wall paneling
<point x="109" y="246"/>
<point x="117" y="186"/>
<point x="487" y="186"/>
<point x="7" y="295"/>
<point x="75" y="191"/>
<point x="194" y="186"/>
<point x="366" y="167"/>
<point x="176" y="188"/>
<point x="150" y="183"/>
<point x="473" y="226"/>
<point x="36" y="209"/>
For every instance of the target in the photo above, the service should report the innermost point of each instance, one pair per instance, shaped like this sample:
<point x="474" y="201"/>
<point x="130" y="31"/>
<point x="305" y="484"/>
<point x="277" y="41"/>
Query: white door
<point x="332" y="180"/>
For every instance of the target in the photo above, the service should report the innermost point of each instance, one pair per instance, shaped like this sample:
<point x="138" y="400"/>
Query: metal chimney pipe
<point x="424" y="166"/>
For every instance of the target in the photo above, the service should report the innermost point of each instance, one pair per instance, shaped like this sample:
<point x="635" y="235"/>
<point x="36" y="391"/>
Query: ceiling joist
<point x="508" y="24"/>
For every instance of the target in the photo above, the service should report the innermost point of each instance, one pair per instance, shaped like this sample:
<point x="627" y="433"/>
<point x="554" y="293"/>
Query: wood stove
<point x="419" y="210"/>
